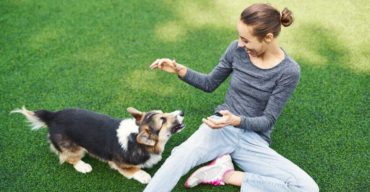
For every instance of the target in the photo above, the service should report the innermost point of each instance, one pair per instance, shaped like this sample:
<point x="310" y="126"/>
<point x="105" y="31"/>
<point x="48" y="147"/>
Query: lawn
<point x="95" y="55"/>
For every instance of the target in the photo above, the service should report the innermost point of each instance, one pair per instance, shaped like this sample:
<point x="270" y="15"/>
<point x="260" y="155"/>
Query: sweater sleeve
<point x="283" y="90"/>
<point x="209" y="82"/>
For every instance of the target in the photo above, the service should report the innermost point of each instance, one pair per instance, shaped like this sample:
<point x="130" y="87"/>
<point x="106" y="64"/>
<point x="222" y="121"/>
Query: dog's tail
<point x="37" y="119"/>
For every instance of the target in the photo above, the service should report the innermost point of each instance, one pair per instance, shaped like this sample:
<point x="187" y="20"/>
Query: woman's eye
<point x="164" y="120"/>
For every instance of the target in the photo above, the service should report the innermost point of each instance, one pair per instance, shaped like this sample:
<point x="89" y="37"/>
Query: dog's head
<point x="156" y="127"/>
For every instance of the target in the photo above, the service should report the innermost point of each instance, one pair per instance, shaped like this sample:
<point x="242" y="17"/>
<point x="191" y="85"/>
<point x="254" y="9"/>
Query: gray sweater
<point x="256" y="95"/>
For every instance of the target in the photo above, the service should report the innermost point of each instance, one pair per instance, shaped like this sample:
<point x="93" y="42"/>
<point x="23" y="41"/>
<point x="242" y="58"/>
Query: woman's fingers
<point x="159" y="62"/>
<point x="214" y="123"/>
<point x="154" y="64"/>
<point x="164" y="61"/>
<point x="164" y="64"/>
<point x="209" y="123"/>
<point x="160" y="65"/>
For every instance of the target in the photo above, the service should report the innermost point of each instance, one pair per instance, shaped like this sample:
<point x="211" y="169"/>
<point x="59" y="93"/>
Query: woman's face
<point x="250" y="43"/>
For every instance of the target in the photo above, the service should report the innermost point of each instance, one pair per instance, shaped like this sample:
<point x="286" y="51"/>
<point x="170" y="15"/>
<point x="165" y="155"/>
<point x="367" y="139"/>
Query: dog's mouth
<point x="177" y="128"/>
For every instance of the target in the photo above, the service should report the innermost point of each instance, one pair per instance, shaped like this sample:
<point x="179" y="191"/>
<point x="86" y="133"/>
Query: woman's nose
<point x="240" y="43"/>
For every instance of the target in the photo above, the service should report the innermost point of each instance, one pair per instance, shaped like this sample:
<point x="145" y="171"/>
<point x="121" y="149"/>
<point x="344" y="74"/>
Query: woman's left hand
<point x="227" y="119"/>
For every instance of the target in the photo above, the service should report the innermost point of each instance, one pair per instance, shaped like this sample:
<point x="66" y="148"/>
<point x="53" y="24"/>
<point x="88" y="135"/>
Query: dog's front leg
<point x="132" y="172"/>
<point x="142" y="176"/>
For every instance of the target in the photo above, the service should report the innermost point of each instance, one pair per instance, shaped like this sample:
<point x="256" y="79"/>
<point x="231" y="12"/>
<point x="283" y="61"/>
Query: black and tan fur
<point x="126" y="145"/>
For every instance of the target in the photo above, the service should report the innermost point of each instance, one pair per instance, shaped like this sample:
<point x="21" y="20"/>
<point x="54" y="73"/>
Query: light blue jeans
<point x="265" y="169"/>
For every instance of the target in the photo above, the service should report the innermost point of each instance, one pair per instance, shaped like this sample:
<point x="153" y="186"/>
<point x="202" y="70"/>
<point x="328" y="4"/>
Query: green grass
<point x="95" y="55"/>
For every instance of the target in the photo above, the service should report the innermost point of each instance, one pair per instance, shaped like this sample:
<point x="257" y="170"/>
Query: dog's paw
<point x="82" y="167"/>
<point x="142" y="176"/>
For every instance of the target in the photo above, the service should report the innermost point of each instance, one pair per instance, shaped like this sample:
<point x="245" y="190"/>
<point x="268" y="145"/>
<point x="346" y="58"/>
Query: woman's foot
<point x="212" y="174"/>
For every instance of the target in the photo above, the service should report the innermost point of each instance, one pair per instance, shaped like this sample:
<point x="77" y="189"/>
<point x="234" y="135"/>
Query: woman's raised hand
<point x="169" y="66"/>
<point x="165" y="64"/>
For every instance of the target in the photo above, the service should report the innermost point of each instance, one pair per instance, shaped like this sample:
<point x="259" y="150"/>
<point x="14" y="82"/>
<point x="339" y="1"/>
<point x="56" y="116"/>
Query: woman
<point x="263" y="77"/>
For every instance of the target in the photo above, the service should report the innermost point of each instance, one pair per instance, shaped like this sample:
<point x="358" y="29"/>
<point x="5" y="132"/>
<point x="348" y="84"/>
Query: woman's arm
<point x="209" y="82"/>
<point x="205" y="82"/>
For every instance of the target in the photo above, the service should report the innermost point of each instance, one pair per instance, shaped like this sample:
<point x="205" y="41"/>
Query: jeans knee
<point x="185" y="151"/>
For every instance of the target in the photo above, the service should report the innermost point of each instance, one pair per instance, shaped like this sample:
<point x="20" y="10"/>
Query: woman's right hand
<point x="169" y="66"/>
<point x="165" y="64"/>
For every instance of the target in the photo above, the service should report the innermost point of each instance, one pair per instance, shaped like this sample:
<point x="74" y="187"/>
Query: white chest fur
<point x="126" y="127"/>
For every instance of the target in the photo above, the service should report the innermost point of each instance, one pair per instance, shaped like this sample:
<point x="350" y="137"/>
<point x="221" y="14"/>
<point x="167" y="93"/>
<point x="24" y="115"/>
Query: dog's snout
<point x="182" y="114"/>
<point x="178" y="113"/>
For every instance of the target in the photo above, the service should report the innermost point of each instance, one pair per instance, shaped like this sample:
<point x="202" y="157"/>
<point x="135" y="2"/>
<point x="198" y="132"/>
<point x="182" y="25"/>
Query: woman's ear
<point x="269" y="38"/>
<point x="144" y="138"/>
<point x="136" y="114"/>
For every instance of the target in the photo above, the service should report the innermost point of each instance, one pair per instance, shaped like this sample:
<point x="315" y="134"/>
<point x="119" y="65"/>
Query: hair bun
<point x="286" y="17"/>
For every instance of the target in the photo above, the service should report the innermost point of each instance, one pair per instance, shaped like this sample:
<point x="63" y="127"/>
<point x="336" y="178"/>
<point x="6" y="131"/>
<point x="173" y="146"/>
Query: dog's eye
<point x="164" y="120"/>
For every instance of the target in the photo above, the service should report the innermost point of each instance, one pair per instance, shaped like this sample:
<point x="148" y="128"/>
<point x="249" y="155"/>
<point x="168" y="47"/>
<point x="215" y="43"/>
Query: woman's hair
<point x="266" y="19"/>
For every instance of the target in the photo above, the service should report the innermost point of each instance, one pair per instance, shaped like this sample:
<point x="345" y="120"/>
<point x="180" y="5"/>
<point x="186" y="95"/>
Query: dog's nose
<point x="182" y="113"/>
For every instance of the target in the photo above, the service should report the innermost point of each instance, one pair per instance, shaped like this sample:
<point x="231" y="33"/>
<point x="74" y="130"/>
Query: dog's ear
<point x="136" y="114"/>
<point x="144" y="138"/>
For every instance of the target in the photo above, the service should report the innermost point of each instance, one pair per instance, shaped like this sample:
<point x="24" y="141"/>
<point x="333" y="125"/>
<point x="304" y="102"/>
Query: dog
<point x="127" y="145"/>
